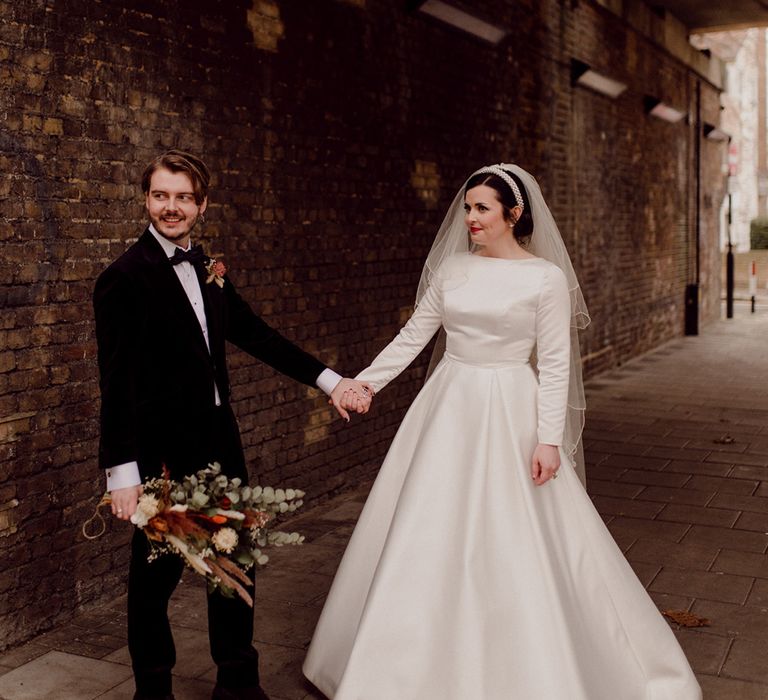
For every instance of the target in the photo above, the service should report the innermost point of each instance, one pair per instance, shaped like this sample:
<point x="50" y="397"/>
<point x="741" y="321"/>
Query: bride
<point x="479" y="568"/>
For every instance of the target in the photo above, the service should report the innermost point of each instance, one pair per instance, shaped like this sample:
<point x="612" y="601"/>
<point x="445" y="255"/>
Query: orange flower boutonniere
<point x="216" y="271"/>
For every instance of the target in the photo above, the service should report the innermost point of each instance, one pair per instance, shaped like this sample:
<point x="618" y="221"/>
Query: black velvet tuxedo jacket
<point x="156" y="372"/>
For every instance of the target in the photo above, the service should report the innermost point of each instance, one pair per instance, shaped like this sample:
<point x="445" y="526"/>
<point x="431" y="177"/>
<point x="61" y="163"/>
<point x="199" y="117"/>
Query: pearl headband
<point x="500" y="172"/>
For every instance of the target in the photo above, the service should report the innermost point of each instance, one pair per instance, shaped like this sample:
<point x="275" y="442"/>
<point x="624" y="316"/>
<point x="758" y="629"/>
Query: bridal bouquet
<point x="217" y="525"/>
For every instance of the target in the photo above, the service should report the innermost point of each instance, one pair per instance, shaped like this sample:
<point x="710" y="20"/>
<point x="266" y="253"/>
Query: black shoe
<point x="255" y="692"/>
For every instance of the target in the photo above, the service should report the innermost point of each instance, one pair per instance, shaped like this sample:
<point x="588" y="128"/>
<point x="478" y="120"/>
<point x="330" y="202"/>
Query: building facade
<point x="338" y="133"/>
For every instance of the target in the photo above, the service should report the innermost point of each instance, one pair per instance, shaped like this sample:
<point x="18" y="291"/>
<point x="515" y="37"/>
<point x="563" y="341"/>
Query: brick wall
<point x="338" y="133"/>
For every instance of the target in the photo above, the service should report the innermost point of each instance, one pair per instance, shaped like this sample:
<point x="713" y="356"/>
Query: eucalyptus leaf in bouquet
<point x="216" y="524"/>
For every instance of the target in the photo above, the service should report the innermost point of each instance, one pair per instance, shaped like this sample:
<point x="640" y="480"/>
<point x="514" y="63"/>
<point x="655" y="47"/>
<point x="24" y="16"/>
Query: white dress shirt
<point x="127" y="474"/>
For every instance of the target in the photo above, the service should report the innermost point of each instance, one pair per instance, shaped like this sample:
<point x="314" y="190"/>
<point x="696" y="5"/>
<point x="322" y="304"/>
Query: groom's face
<point x="171" y="205"/>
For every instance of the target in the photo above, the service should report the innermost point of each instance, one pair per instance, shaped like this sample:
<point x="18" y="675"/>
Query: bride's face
<point x="484" y="216"/>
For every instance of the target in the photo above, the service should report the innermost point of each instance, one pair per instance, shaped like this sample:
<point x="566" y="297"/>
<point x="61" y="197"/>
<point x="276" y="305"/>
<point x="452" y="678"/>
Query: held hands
<point x="124" y="501"/>
<point x="348" y="395"/>
<point x="545" y="463"/>
<point x="351" y="395"/>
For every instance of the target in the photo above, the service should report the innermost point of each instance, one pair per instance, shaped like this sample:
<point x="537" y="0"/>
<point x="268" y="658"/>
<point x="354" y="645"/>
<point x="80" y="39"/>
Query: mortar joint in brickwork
<point x="315" y="433"/>
<point x="13" y="503"/>
<point x="11" y="426"/>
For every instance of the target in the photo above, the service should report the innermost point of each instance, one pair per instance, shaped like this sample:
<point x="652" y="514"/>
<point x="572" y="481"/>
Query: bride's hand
<point x="545" y="463"/>
<point x="351" y="395"/>
<point x="352" y="401"/>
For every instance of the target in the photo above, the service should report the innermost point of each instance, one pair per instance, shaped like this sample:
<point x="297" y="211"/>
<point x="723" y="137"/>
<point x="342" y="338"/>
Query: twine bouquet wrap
<point x="216" y="524"/>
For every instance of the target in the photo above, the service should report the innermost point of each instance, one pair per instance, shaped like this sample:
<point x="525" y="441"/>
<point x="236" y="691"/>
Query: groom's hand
<point x="124" y="501"/>
<point x="350" y="394"/>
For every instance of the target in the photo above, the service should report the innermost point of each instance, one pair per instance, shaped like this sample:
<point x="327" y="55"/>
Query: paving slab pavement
<point x="677" y="461"/>
<point x="676" y="445"/>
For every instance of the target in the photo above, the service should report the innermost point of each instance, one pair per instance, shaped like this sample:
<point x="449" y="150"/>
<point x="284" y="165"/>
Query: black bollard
<point x="729" y="282"/>
<point x="692" y="309"/>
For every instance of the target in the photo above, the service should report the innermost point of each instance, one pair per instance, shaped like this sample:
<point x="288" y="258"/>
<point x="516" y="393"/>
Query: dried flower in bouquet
<point x="216" y="524"/>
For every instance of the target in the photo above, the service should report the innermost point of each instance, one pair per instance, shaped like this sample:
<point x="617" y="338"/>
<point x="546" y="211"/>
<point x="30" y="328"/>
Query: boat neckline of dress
<point x="490" y="257"/>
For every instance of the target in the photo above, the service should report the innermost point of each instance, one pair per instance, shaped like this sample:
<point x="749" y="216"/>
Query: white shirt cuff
<point x="328" y="380"/>
<point x="123" y="475"/>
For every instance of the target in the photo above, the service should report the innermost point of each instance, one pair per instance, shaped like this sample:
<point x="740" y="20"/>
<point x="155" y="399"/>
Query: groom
<point x="163" y="313"/>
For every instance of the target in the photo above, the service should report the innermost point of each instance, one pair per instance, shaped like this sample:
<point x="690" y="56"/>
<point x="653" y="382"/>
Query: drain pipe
<point x="729" y="277"/>
<point x="692" y="290"/>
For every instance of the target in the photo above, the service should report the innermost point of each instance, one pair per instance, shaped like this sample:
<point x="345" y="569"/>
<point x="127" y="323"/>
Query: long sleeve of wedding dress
<point x="553" y="328"/>
<point x="409" y="342"/>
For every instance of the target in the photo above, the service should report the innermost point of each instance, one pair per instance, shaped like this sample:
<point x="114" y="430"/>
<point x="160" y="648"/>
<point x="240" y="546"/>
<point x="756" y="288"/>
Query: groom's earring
<point x="202" y="218"/>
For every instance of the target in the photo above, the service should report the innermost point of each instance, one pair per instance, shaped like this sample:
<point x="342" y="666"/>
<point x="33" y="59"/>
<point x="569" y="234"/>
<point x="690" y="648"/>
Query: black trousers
<point x="151" y="584"/>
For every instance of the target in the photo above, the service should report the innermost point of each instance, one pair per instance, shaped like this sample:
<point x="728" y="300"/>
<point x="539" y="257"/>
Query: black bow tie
<point x="193" y="255"/>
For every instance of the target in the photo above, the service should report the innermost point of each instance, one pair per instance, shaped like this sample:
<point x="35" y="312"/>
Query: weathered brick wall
<point x="633" y="198"/>
<point x="338" y="132"/>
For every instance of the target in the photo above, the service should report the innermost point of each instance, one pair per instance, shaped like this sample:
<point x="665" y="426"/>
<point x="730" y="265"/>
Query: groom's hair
<point x="180" y="162"/>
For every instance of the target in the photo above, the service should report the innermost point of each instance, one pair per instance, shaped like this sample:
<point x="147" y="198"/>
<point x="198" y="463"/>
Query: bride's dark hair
<point x="524" y="226"/>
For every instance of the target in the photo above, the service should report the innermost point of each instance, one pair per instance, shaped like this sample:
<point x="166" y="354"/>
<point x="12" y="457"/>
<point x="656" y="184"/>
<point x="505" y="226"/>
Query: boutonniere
<point x="216" y="271"/>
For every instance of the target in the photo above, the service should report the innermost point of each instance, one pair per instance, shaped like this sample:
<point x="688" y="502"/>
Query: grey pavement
<point x="677" y="454"/>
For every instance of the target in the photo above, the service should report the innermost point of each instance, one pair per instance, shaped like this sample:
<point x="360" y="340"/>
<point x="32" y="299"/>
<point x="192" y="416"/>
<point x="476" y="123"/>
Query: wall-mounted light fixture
<point x="582" y="74"/>
<point x="460" y="19"/>
<point x="655" y="107"/>
<point x="714" y="133"/>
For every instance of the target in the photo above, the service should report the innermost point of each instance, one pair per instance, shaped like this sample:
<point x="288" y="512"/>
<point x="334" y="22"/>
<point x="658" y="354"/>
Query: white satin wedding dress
<point x="464" y="580"/>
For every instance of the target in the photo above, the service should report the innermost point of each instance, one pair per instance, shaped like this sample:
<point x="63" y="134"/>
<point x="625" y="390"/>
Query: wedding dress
<point x="464" y="580"/>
